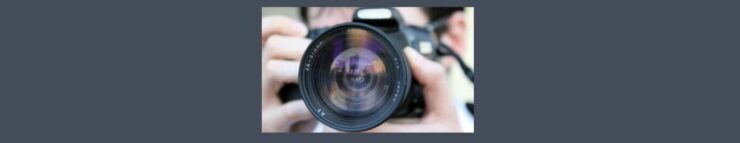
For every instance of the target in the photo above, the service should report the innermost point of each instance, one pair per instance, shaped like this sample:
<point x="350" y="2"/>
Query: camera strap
<point x="440" y="26"/>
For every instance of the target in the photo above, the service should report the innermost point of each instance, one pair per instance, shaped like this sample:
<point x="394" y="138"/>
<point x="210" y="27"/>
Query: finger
<point x="432" y="77"/>
<point x="389" y="127"/>
<point x="427" y="72"/>
<point x="304" y="126"/>
<point x="285" y="47"/>
<point x="275" y="74"/>
<point x="269" y="93"/>
<point x="281" y="25"/>
<point x="294" y="111"/>
<point x="327" y="129"/>
<point x="280" y="119"/>
<point x="282" y="71"/>
<point x="411" y="128"/>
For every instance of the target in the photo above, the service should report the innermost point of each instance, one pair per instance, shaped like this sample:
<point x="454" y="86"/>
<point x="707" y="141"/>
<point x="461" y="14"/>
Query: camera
<point x="354" y="76"/>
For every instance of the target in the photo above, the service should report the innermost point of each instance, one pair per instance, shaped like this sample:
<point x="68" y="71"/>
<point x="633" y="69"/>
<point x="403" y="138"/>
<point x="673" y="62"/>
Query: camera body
<point x="338" y="95"/>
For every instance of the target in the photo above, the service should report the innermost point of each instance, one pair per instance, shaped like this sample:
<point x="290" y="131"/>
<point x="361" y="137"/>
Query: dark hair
<point x="304" y="14"/>
<point x="433" y="13"/>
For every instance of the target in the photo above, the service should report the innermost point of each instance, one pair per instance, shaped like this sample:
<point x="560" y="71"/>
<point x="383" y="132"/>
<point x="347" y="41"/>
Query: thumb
<point x="427" y="72"/>
<point x="294" y="111"/>
<point x="433" y="78"/>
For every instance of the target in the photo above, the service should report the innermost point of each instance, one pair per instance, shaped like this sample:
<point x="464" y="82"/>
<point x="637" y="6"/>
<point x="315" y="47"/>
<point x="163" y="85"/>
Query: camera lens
<point x="353" y="78"/>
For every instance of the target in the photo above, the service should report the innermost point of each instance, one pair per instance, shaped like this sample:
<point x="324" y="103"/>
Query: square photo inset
<point x="377" y="70"/>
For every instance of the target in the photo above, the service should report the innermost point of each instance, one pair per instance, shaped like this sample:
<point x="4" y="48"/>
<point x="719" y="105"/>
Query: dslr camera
<point x="354" y="76"/>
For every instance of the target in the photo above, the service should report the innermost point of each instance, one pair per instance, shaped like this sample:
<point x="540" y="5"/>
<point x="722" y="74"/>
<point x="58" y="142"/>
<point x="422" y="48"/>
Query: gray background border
<point x="555" y="71"/>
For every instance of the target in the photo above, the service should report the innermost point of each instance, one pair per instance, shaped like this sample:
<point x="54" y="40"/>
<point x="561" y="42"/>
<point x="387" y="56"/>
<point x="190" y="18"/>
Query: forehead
<point x="328" y="16"/>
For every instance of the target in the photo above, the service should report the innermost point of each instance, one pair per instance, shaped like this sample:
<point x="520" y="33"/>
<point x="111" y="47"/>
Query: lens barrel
<point x="352" y="77"/>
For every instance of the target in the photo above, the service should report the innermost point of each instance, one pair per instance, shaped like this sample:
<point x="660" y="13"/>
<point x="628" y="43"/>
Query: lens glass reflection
<point x="357" y="74"/>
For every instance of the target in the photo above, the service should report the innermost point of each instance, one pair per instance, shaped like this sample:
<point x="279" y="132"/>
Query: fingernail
<point x="411" y="54"/>
<point x="301" y="28"/>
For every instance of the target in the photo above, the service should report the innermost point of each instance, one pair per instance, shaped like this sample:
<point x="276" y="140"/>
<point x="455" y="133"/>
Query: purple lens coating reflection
<point x="358" y="79"/>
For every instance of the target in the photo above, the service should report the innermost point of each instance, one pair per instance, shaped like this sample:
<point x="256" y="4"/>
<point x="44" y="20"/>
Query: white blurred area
<point x="292" y="12"/>
<point x="460" y="86"/>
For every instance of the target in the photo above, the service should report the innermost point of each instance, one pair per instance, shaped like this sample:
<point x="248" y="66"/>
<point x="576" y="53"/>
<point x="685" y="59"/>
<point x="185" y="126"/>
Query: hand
<point x="282" y="47"/>
<point x="440" y="114"/>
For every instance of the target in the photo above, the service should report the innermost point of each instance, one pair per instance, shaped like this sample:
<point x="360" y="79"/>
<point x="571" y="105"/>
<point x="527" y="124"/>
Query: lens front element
<point x="353" y="78"/>
<point x="358" y="80"/>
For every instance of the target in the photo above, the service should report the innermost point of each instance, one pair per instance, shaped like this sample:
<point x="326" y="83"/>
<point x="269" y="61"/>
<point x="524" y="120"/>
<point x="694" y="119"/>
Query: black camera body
<point x="354" y="76"/>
